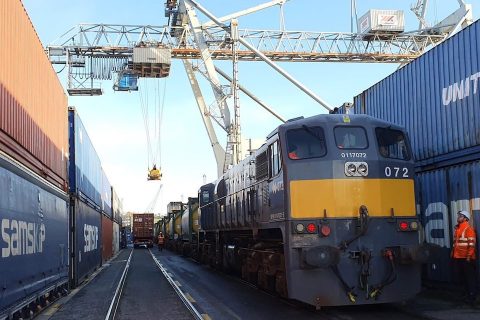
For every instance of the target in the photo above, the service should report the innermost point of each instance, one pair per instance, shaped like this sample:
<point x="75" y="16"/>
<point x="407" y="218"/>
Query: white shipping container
<point x="116" y="238"/>
<point x="174" y="207"/>
<point x="381" y="20"/>
<point x="153" y="55"/>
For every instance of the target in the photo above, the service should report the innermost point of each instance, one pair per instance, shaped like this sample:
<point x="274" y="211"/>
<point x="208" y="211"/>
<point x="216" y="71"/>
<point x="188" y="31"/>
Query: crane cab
<point x="126" y="81"/>
<point x="154" y="174"/>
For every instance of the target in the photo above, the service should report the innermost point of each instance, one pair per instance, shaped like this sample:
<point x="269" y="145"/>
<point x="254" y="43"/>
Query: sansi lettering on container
<point x="21" y="237"/>
<point x="460" y="90"/>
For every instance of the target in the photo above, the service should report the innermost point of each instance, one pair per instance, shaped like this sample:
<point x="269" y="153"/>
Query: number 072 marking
<point x="396" y="172"/>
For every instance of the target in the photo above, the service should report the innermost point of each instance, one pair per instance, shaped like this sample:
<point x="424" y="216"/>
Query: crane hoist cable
<point x="152" y="117"/>
<point x="153" y="202"/>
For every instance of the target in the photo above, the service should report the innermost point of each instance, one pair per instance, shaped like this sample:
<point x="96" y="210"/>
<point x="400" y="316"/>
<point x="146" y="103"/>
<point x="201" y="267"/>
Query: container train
<point x="323" y="213"/>
<point x="59" y="216"/>
<point x="53" y="238"/>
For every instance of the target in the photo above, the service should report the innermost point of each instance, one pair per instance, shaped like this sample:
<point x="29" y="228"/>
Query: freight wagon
<point x="184" y="220"/>
<point x="190" y="228"/>
<point x="437" y="99"/>
<point x="34" y="239"/>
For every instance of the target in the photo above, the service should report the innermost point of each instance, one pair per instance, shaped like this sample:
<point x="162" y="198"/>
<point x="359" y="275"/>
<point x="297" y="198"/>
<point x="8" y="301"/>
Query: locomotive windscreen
<point x="307" y="142"/>
<point x="392" y="144"/>
<point x="350" y="137"/>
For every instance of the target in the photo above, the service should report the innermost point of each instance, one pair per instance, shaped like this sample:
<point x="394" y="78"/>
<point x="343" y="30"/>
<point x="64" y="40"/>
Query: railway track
<point x="147" y="291"/>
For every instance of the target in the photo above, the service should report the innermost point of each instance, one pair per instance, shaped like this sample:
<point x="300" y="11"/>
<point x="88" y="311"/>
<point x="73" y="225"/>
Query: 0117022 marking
<point x="353" y="155"/>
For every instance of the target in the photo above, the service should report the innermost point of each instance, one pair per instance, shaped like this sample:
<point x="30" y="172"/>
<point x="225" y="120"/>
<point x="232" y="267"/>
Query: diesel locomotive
<point x="323" y="213"/>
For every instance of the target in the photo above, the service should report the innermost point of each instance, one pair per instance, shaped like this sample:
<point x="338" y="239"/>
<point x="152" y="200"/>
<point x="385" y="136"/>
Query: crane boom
<point x="296" y="46"/>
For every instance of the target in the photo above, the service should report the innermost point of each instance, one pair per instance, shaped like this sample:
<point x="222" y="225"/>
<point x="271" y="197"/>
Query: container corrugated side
<point x="107" y="238"/>
<point x="85" y="168"/>
<point x="117" y="206"/>
<point x="86" y="252"/>
<point x="436" y="97"/>
<point x="116" y="238"/>
<point x="441" y="193"/>
<point x="381" y="20"/>
<point x="142" y="226"/>
<point x="33" y="105"/>
<point x="174" y="207"/>
<point x="106" y="196"/>
<point x="30" y="264"/>
<point x="152" y="55"/>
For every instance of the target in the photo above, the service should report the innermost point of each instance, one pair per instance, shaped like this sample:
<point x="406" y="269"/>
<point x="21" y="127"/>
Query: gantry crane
<point x="95" y="52"/>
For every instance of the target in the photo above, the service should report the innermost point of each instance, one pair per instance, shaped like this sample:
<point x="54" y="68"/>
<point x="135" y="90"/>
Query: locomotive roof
<point x="354" y="119"/>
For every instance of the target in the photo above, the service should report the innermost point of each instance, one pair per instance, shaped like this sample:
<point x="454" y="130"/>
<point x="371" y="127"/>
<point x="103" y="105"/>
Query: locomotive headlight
<point x="356" y="169"/>
<point x="300" y="228"/>
<point x="363" y="169"/>
<point x="414" y="225"/>
<point x="351" y="169"/>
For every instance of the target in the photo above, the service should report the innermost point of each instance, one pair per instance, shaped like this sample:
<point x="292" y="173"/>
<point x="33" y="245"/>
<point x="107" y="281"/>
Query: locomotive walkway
<point x="147" y="294"/>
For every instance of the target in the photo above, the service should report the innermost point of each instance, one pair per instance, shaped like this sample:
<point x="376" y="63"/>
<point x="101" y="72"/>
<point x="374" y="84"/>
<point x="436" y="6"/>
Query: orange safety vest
<point x="464" y="242"/>
<point x="161" y="239"/>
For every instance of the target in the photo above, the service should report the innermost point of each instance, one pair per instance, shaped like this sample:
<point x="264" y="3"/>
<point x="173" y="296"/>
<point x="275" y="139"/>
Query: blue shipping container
<point x="34" y="236"/>
<point x="436" y="98"/>
<point x="86" y="255"/>
<point x="106" y="196"/>
<point x="85" y="169"/>
<point x="117" y="206"/>
<point x="441" y="193"/>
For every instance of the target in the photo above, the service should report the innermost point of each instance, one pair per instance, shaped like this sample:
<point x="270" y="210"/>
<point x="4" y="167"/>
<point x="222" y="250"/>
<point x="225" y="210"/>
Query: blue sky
<point x="114" y="120"/>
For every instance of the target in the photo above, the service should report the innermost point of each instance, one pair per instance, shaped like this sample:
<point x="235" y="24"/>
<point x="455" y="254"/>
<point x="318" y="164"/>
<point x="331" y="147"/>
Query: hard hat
<point x="466" y="214"/>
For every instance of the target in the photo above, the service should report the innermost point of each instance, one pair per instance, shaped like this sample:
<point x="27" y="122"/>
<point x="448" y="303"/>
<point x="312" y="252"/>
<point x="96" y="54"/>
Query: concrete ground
<point x="442" y="303"/>
<point x="147" y="295"/>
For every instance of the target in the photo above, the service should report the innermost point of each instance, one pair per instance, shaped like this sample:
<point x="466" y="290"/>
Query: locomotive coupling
<point x="321" y="256"/>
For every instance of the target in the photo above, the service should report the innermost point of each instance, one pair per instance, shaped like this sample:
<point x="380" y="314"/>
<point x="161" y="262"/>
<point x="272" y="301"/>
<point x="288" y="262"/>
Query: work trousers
<point x="467" y="275"/>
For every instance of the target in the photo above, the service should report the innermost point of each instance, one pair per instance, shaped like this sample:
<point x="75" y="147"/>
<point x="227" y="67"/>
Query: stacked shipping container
<point x="33" y="143"/>
<point x="91" y="204"/>
<point x="437" y="99"/>
<point x="33" y="129"/>
<point x="37" y="213"/>
<point x="117" y="211"/>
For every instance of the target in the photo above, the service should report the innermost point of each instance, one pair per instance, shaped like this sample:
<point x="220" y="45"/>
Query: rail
<point x="112" y="310"/>
<point x="197" y="315"/>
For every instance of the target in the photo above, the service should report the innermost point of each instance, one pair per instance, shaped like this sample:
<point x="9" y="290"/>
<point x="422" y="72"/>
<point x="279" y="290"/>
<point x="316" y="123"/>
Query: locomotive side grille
<point x="261" y="166"/>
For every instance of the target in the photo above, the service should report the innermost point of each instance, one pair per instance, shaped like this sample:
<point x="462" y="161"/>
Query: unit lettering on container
<point x="460" y="90"/>
<point x="91" y="237"/>
<point x="22" y="238"/>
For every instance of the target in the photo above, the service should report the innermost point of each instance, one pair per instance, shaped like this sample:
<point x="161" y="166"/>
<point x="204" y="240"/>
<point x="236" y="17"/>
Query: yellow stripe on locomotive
<point x="341" y="198"/>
